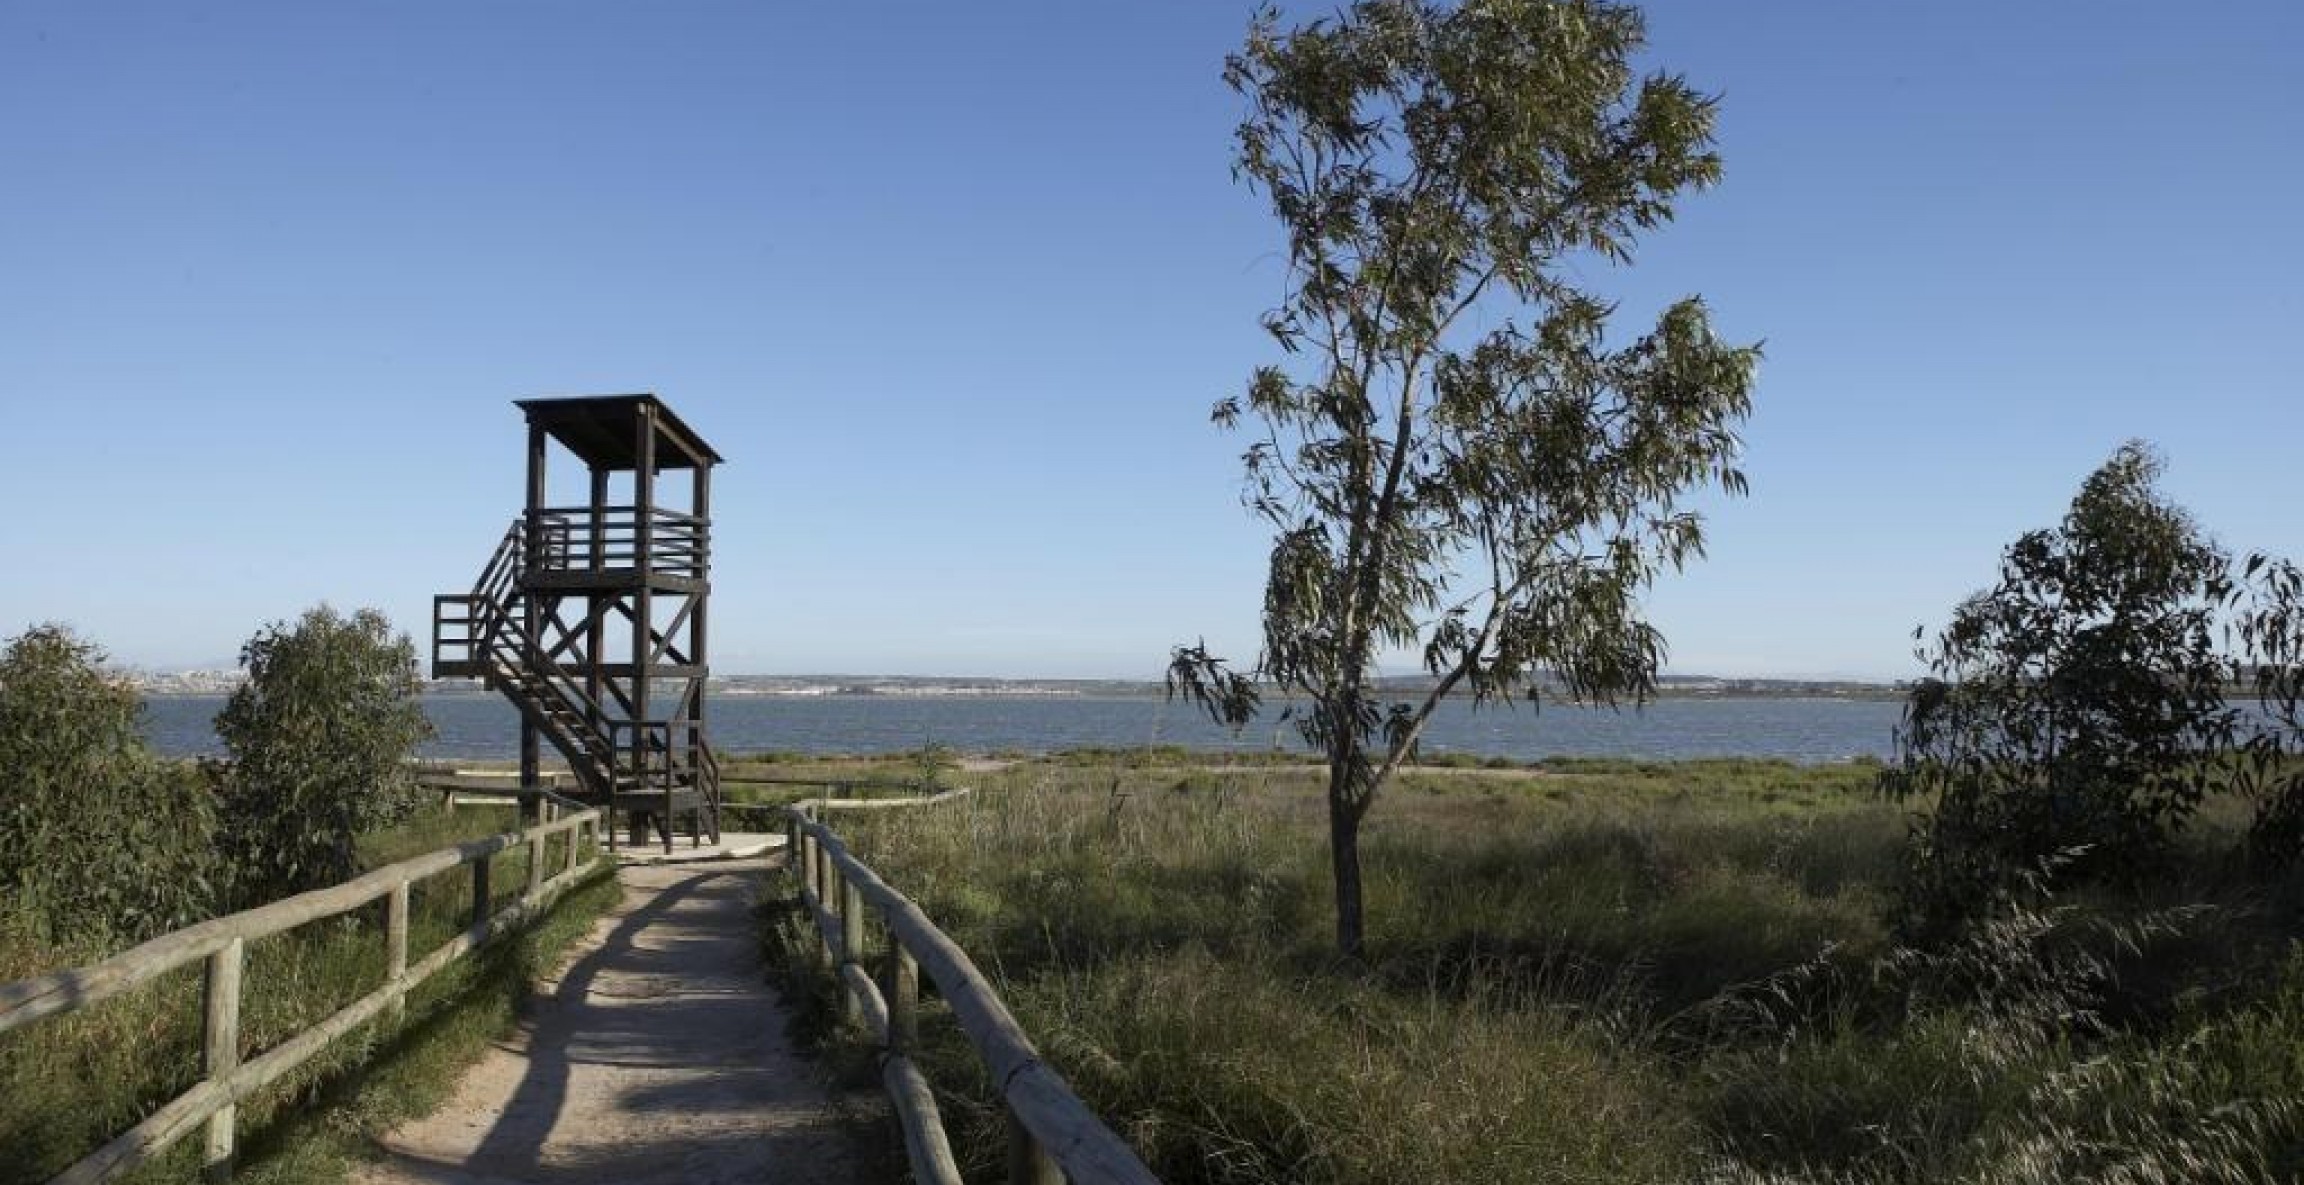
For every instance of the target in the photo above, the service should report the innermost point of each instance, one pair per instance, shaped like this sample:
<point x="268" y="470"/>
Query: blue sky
<point x="953" y="287"/>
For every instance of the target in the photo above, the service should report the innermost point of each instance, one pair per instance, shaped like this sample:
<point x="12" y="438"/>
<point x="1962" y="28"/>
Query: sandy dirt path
<point x="656" y="1055"/>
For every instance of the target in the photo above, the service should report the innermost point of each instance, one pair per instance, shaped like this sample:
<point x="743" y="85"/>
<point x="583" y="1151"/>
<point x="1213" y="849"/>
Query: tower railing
<point x="580" y="539"/>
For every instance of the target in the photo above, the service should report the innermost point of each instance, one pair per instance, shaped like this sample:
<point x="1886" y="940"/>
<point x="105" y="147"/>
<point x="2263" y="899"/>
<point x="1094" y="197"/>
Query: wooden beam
<point x="220" y="1032"/>
<point x="1059" y="1127"/>
<point x="925" y="1145"/>
<point x="531" y="736"/>
<point x="644" y="500"/>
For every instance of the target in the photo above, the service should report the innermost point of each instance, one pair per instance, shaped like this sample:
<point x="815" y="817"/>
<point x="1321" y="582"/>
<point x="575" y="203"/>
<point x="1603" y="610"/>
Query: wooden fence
<point x="776" y="811"/>
<point x="223" y="943"/>
<point x="1052" y="1136"/>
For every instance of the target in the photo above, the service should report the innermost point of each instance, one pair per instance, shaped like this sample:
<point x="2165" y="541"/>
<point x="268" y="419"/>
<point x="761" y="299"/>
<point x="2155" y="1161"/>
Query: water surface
<point x="480" y="726"/>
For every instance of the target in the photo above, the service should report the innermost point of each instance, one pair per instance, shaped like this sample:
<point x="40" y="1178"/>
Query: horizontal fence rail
<point x="1053" y="1136"/>
<point x="223" y="943"/>
<point x="830" y="800"/>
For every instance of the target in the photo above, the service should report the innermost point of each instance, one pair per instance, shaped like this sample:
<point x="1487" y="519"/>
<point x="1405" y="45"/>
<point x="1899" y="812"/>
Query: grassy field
<point x="70" y="1083"/>
<point x="1594" y="971"/>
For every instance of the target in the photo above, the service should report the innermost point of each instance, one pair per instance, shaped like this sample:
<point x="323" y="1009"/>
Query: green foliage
<point x="320" y="737"/>
<point x="2270" y="630"/>
<point x="934" y="764"/>
<point x="2072" y="704"/>
<point x="1599" y="971"/>
<point x="70" y="1083"/>
<point x="1995" y="1058"/>
<point x="100" y="841"/>
<point x="1499" y="498"/>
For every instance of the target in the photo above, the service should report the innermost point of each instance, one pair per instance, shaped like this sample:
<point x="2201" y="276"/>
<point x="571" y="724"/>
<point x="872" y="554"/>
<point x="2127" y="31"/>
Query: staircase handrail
<point x="493" y="638"/>
<point x="572" y="697"/>
<point x="503" y="565"/>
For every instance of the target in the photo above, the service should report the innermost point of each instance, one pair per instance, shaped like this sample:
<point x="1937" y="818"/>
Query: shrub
<point x="99" y="840"/>
<point x="2070" y="705"/>
<point x="2270" y="630"/>
<point x="320" y="737"/>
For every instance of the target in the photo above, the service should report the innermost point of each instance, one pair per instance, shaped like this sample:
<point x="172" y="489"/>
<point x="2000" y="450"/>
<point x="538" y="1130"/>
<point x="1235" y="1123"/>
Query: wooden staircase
<point x="508" y="633"/>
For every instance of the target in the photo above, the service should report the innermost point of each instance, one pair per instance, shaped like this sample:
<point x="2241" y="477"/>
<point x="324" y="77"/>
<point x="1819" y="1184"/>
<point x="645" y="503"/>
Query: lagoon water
<point x="1808" y="730"/>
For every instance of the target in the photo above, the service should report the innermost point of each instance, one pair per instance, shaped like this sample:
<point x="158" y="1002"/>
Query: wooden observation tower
<point x="591" y="618"/>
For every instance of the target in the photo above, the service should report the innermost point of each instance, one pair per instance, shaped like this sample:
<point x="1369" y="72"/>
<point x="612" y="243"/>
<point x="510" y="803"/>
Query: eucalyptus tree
<point x="320" y="737"/>
<point x="2070" y="706"/>
<point x="100" y="840"/>
<point x="1456" y="452"/>
<point x="2269" y="628"/>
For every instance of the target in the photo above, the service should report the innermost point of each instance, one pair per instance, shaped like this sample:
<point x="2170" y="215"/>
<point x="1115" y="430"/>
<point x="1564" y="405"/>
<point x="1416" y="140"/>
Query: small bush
<point x="320" y="737"/>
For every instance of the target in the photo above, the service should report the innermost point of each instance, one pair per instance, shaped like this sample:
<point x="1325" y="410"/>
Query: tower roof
<point x="604" y="431"/>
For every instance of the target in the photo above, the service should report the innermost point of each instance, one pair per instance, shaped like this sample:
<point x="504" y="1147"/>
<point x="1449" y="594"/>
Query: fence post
<point x="812" y="891"/>
<point x="851" y="946"/>
<point x="900" y="985"/>
<point x="396" y="945"/>
<point x="480" y="890"/>
<point x="221" y="1052"/>
<point x="830" y="896"/>
<point x="535" y="864"/>
<point x="1028" y="1163"/>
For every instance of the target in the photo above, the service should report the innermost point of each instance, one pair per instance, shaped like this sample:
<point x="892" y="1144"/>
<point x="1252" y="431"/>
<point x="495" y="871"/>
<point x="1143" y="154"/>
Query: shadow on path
<point x="658" y="1056"/>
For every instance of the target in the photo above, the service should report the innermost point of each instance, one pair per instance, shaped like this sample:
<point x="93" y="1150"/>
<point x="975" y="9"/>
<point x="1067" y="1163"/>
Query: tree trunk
<point x="1344" y="855"/>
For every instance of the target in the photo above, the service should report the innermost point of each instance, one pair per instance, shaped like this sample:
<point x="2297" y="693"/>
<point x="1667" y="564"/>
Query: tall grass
<point x="72" y="1082"/>
<point x="1595" y="972"/>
